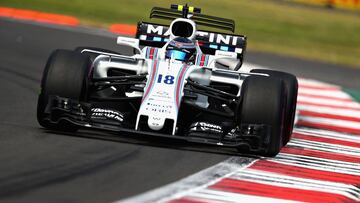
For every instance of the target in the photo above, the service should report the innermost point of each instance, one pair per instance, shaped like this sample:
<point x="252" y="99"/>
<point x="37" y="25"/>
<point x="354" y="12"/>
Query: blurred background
<point x="320" y="30"/>
<point x="313" y="39"/>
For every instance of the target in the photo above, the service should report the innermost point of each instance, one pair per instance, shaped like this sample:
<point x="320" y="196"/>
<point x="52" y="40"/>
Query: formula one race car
<point x="181" y="83"/>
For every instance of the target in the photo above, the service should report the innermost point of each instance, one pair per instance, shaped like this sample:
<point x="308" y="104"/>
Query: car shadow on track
<point x="152" y="141"/>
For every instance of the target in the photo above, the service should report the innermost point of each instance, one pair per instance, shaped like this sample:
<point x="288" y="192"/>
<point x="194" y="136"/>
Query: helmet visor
<point x="177" y="55"/>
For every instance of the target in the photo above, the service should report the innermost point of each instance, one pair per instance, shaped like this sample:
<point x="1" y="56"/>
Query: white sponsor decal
<point x="213" y="37"/>
<point x="225" y="54"/>
<point x="207" y="127"/>
<point x="107" y="113"/>
<point x="151" y="29"/>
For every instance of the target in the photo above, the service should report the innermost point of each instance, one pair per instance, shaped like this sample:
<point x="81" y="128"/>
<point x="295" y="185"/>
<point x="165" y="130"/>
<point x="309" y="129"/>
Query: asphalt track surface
<point x="37" y="165"/>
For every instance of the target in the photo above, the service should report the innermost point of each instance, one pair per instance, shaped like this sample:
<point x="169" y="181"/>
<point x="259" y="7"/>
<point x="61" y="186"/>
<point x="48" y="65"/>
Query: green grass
<point x="281" y="28"/>
<point x="355" y="94"/>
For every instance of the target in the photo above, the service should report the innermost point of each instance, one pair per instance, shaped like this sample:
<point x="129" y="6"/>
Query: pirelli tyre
<point x="291" y="90"/>
<point x="263" y="103"/>
<point x="65" y="75"/>
<point x="93" y="55"/>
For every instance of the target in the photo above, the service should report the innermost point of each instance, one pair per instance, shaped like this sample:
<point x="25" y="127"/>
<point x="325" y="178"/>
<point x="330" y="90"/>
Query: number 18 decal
<point x="168" y="79"/>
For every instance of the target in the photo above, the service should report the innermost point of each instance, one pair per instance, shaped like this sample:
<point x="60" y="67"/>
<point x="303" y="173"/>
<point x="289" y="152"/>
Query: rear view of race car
<point x="181" y="83"/>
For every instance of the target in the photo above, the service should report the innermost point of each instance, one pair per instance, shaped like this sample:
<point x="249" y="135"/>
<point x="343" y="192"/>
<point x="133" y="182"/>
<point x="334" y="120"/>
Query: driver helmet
<point x="181" y="49"/>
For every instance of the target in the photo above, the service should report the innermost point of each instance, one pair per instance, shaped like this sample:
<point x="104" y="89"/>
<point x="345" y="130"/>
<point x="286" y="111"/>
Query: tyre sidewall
<point x="65" y="75"/>
<point x="291" y="91"/>
<point x="263" y="103"/>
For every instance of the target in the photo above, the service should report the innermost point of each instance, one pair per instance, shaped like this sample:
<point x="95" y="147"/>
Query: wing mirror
<point x="128" y="41"/>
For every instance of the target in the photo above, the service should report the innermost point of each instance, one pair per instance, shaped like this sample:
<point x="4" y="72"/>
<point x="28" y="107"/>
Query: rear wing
<point x="197" y="17"/>
<point x="156" y="35"/>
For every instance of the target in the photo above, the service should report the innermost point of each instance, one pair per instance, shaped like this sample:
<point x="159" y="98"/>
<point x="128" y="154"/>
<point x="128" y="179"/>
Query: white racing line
<point x="320" y="164"/>
<point x="194" y="182"/>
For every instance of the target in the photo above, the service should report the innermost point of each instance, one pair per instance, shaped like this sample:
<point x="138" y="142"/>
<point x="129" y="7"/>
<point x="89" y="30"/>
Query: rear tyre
<point x="65" y="75"/>
<point x="263" y="103"/>
<point x="291" y="90"/>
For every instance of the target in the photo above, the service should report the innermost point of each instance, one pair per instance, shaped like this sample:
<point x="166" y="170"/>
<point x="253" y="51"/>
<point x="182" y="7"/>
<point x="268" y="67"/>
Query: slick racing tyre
<point x="263" y="103"/>
<point x="93" y="55"/>
<point x="65" y="75"/>
<point x="291" y="90"/>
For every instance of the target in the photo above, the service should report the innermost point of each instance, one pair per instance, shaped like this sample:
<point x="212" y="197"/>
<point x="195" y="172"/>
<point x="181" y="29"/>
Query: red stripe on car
<point x="179" y="82"/>
<point x="151" y="80"/>
<point x="151" y="55"/>
<point x="202" y="60"/>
